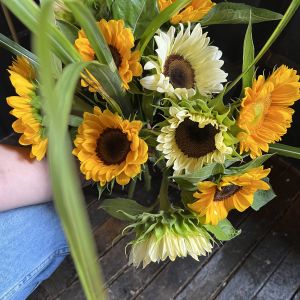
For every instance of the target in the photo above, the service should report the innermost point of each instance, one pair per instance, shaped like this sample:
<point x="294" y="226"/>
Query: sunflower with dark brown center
<point x="109" y="147"/>
<point x="214" y="201"/>
<point x="185" y="63"/>
<point x="192" y="140"/>
<point x="120" y="41"/>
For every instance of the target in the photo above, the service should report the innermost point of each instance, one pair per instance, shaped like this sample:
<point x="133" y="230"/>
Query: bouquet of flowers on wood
<point x="136" y="88"/>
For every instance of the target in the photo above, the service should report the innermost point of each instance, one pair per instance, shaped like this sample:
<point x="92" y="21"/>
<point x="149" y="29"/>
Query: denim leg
<point x="32" y="245"/>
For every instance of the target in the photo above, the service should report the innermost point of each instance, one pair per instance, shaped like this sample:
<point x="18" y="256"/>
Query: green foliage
<point x="69" y="30"/>
<point x="85" y="18"/>
<point x="257" y="162"/>
<point x="223" y="231"/>
<point x="123" y="209"/>
<point x="238" y="13"/>
<point x="189" y="181"/>
<point x="157" y="22"/>
<point x="68" y="196"/>
<point x="147" y="107"/>
<point x="248" y="58"/>
<point x="285" y="150"/>
<point x="27" y="12"/>
<point x="137" y="14"/>
<point x="16" y="49"/>
<point x="283" y="22"/>
<point x="261" y="197"/>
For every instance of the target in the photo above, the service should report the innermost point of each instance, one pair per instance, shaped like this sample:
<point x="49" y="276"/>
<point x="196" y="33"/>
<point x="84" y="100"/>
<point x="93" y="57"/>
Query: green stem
<point x="164" y="203"/>
<point x="281" y="25"/>
<point x="131" y="188"/>
<point x="147" y="178"/>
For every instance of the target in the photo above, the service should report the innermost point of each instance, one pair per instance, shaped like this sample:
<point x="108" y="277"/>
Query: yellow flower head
<point x="265" y="114"/>
<point x="193" y="12"/>
<point x="120" y="41"/>
<point x="214" y="201"/>
<point x="26" y="108"/>
<point x="109" y="147"/>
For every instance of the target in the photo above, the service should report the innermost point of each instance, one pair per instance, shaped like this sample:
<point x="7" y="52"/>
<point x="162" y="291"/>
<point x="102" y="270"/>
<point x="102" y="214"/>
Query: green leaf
<point x="238" y="13"/>
<point x="67" y="193"/>
<point x="189" y="181"/>
<point x="27" y="12"/>
<point x="70" y="31"/>
<point x="257" y="162"/>
<point x="157" y="22"/>
<point x="137" y="14"/>
<point x="75" y="121"/>
<point x="281" y="25"/>
<point x="223" y="231"/>
<point x="285" y="150"/>
<point x="147" y="107"/>
<point x="16" y="49"/>
<point x="261" y="197"/>
<point x="248" y="58"/>
<point x="115" y="207"/>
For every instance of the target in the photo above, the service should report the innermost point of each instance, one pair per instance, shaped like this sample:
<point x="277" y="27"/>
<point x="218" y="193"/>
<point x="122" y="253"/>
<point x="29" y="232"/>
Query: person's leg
<point x="32" y="245"/>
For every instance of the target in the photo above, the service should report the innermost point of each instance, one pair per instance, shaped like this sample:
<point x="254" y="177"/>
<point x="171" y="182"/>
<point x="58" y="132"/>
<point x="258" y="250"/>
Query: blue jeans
<point x="32" y="245"/>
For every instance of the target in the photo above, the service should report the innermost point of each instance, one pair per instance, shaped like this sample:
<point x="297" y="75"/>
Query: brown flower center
<point x="113" y="146"/>
<point x="194" y="141"/>
<point x="179" y="71"/>
<point x="116" y="55"/>
<point x="226" y="192"/>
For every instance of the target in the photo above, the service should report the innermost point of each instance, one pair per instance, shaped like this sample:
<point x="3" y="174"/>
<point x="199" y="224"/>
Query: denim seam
<point x="37" y="270"/>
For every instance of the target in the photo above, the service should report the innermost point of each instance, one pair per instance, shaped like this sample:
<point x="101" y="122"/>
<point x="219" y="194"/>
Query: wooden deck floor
<point x="262" y="263"/>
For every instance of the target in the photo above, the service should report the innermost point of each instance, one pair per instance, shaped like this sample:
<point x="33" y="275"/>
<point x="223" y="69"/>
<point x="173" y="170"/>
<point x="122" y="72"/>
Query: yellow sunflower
<point x="265" y="114"/>
<point x="193" y="12"/>
<point x="214" y="201"/>
<point x="109" y="147"/>
<point x="26" y="108"/>
<point x="120" y="41"/>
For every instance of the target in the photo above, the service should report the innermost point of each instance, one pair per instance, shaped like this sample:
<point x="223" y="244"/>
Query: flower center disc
<point x="116" y="55"/>
<point x="179" y="71"/>
<point x="194" y="141"/>
<point x="113" y="146"/>
<point x="226" y="192"/>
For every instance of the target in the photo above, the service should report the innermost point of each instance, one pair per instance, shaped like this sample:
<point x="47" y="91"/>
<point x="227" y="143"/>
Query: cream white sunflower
<point x="192" y="140"/>
<point x="185" y="63"/>
<point x="168" y="235"/>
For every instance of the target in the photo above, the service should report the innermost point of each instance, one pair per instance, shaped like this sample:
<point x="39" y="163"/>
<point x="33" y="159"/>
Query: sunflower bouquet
<point x="135" y="89"/>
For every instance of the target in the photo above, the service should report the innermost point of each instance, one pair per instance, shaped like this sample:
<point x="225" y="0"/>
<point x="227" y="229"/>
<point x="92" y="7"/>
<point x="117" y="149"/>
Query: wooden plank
<point x="285" y="281"/>
<point x="214" y="273"/>
<point x="266" y="258"/>
<point x="132" y="279"/>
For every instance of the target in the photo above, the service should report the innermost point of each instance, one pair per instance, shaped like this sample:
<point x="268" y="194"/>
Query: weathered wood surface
<point x="262" y="263"/>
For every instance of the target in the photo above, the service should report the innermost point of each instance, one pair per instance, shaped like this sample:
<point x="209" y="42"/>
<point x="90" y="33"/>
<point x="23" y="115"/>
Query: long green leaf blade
<point x="66" y="186"/>
<point x="238" y="13"/>
<point x="27" y="12"/>
<point x="16" y="49"/>
<point x="283" y="22"/>
<point x="285" y="150"/>
<point x="162" y="18"/>
<point x="248" y="58"/>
